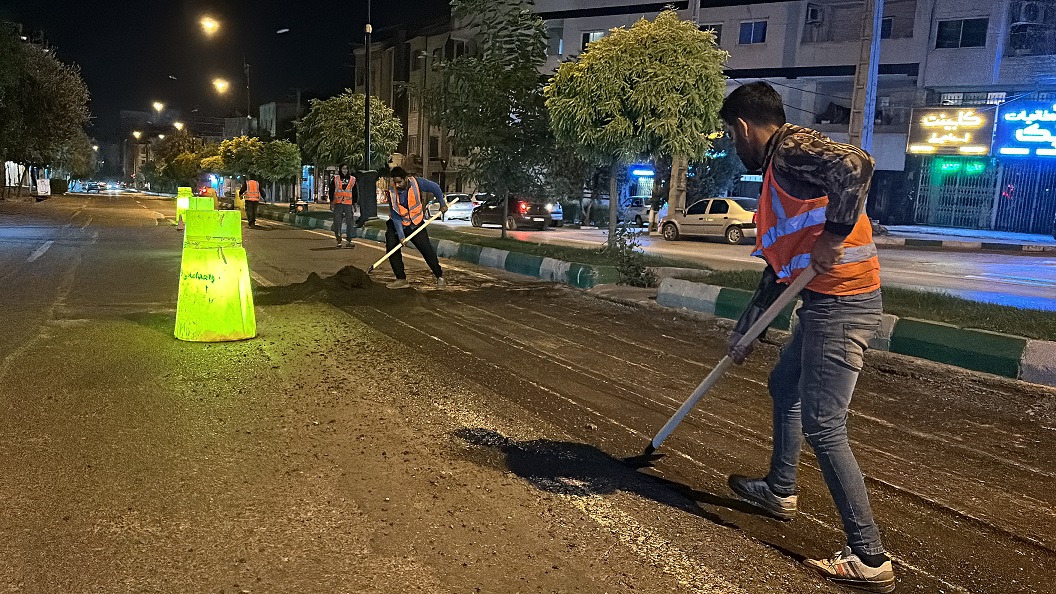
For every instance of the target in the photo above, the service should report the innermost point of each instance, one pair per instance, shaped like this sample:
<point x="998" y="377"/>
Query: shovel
<point x="648" y="456"/>
<point x="407" y="239"/>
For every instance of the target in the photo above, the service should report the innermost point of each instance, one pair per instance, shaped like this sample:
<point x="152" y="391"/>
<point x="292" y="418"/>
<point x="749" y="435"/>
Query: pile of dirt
<point x="347" y="284"/>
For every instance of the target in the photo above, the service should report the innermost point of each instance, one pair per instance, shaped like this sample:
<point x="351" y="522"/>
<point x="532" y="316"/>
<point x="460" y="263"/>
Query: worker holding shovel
<point x="407" y="219"/>
<point x="811" y="216"/>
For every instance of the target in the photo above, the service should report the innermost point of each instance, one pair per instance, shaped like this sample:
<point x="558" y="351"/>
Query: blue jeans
<point x="811" y="386"/>
<point x="343" y="212"/>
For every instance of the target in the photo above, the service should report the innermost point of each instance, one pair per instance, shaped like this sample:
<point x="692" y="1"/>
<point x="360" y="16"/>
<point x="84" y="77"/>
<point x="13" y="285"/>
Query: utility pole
<point x="366" y="106"/>
<point x="368" y="179"/>
<point x="249" y="115"/>
<point x="863" y="101"/>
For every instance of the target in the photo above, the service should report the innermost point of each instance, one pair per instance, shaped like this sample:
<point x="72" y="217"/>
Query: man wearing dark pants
<point x="406" y="214"/>
<point x="342" y="192"/>
<point x="252" y="193"/>
<point x="811" y="215"/>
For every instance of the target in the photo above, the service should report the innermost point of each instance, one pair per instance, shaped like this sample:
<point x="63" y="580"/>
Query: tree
<point x="331" y="133"/>
<point x="652" y="90"/>
<point x="492" y="99"/>
<point x="75" y="157"/>
<point x="240" y="155"/>
<point x="716" y="174"/>
<point x="279" y="161"/>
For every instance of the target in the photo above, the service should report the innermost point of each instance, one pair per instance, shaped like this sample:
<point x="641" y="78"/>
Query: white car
<point x="462" y="209"/>
<point x="557" y="214"/>
<point x="637" y="211"/>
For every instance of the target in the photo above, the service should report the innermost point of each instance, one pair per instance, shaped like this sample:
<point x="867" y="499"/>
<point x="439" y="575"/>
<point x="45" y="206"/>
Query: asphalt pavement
<point x="454" y="440"/>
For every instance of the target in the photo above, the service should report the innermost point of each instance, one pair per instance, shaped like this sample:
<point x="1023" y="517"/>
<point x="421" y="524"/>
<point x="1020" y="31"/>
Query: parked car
<point x="730" y="218"/>
<point x="637" y="211"/>
<point x="520" y="213"/>
<point x="94" y="186"/>
<point x="557" y="214"/>
<point x="463" y="209"/>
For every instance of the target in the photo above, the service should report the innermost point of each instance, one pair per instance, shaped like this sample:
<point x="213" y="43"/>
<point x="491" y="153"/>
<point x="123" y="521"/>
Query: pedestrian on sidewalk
<point x="252" y="193"/>
<point x="811" y="214"/>
<point x="406" y="214"/>
<point x="343" y="194"/>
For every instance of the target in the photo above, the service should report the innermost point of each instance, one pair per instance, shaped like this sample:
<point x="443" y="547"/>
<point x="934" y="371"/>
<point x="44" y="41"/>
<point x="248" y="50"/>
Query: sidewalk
<point x="963" y="239"/>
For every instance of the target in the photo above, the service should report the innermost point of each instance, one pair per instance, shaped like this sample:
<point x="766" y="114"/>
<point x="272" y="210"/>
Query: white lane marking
<point x="85" y="226"/>
<point x="40" y="251"/>
<point x="260" y="279"/>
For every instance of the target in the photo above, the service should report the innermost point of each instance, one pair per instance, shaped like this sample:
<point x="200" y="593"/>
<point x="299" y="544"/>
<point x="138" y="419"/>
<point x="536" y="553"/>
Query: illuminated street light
<point x="178" y="126"/>
<point x="159" y="106"/>
<point x="95" y="147"/>
<point x="221" y="85"/>
<point x="161" y="137"/>
<point x="137" y="134"/>
<point x="210" y="26"/>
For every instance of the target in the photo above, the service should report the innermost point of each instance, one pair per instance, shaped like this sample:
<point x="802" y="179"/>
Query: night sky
<point x="129" y="49"/>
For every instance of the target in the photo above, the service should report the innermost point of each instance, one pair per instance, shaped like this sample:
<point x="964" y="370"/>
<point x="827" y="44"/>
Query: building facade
<point x="985" y="59"/>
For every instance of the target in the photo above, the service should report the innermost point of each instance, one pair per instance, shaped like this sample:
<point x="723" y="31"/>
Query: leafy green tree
<point x="492" y="99"/>
<point x="640" y="93"/>
<point x="331" y="133"/>
<point x="183" y="169"/>
<point x="279" y="163"/>
<point x="716" y="174"/>
<point x="241" y="154"/>
<point x="75" y="157"/>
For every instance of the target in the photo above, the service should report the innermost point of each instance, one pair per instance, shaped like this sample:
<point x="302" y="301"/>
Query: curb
<point x="1009" y="356"/>
<point x="977" y="246"/>
<point x="581" y="276"/>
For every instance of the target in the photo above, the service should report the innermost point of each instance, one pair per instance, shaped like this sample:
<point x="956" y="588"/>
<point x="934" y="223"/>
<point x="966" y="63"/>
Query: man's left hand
<point x="827" y="252"/>
<point x="443" y="207"/>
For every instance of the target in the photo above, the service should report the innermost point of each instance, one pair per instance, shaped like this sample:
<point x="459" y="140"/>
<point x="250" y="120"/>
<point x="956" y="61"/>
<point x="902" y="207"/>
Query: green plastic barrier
<point x="215" y="301"/>
<point x="183" y="204"/>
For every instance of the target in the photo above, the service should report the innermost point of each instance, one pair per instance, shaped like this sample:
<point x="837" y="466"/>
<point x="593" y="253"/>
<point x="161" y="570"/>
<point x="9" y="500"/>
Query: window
<point x="589" y="36"/>
<point x="752" y="32"/>
<point x="454" y="48"/>
<point x="434" y="147"/>
<point x="885" y="27"/>
<point x="951" y="98"/>
<point x="716" y="29"/>
<point x="698" y="208"/>
<point x="555" y="42"/>
<point x="719" y="207"/>
<point x="961" y="33"/>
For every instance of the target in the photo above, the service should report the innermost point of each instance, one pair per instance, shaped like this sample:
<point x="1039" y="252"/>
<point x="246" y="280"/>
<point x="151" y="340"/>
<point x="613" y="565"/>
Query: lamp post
<point x="368" y="30"/>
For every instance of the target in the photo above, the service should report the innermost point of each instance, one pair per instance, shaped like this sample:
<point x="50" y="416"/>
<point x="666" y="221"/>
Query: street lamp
<point x="95" y="147"/>
<point x="159" y="106"/>
<point x="137" y="134"/>
<point x="210" y="26"/>
<point x="161" y="137"/>
<point x="178" y="126"/>
<point x="221" y="85"/>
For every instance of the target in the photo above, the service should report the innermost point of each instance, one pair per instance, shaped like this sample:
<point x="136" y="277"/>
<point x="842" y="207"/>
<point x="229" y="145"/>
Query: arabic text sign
<point x="951" y="130"/>
<point x="1026" y="129"/>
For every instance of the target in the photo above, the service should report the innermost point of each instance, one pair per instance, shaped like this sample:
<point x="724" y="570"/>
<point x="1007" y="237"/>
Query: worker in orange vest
<point x="811" y="214"/>
<point x="252" y="193"/>
<point x="343" y="194"/>
<point x="406" y="214"/>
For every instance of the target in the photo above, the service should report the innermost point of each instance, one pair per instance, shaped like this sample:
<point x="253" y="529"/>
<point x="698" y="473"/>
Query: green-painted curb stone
<point x="731" y="303"/>
<point x="972" y="349"/>
<point x="525" y="264"/>
<point x="469" y="253"/>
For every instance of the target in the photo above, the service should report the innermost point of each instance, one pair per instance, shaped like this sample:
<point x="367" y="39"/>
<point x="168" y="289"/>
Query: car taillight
<point x="753" y="217"/>
<point x="524" y="207"/>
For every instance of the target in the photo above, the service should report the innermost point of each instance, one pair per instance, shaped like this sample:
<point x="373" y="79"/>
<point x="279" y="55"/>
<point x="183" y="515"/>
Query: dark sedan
<point x="521" y="213"/>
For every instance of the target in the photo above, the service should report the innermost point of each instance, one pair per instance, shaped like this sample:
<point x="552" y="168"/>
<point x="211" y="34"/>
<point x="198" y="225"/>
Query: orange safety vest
<point x="788" y="228"/>
<point x="252" y="191"/>
<point x="412" y="214"/>
<point x="343" y="195"/>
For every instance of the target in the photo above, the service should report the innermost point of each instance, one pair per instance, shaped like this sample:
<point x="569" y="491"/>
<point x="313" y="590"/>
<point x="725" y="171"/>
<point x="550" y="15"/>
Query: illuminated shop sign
<point x="1026" y="129"/>
<point x="951" y="131"/>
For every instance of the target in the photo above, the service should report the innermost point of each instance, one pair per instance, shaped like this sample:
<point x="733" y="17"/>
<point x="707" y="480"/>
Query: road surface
<point x="448" y="441"/>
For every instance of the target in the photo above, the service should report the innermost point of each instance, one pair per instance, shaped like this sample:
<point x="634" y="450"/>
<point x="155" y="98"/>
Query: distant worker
<point x="407" y="213"/>
<point x="343" y="193"/>
<point x="252" y="193"/>
<point x="811" y="215"/>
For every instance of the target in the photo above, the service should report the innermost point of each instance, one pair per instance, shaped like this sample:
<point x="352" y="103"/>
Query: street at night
<point x="315" y="458"/>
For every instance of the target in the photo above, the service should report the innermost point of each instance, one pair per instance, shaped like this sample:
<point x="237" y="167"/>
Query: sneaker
<point x="400" y="283"/>
<point x="847" y="569"/>
<point x="349" y="244"/>
<point x="338" y="243"/>
<point x="440" y="282"/>
<point x="758" y="493"/>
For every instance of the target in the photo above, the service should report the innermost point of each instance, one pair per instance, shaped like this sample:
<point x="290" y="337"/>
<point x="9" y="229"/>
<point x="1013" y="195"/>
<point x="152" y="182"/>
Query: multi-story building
<point x="277" y="119"/>
<point x="987" y="67"/>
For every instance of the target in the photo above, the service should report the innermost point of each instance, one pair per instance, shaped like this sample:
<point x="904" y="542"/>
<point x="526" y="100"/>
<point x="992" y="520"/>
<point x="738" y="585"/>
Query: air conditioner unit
<point x="1030" y="13"/>
<point x="815" y="14"/>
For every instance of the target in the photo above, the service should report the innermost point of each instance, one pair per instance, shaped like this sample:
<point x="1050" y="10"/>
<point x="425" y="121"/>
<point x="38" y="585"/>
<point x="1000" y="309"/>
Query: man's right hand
<point x="738" y="353"/>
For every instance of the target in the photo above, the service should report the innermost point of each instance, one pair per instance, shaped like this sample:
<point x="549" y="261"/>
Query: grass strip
<point x="934" y="306"/>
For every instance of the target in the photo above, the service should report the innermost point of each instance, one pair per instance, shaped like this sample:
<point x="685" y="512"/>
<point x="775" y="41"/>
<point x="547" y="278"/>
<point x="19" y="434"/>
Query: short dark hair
<point x="756" y="102"/>
<point x="397" y="172"/>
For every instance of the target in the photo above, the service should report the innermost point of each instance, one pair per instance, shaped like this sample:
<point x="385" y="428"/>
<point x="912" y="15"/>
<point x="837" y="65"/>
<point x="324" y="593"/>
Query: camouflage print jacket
<point x="807" y="164"/>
